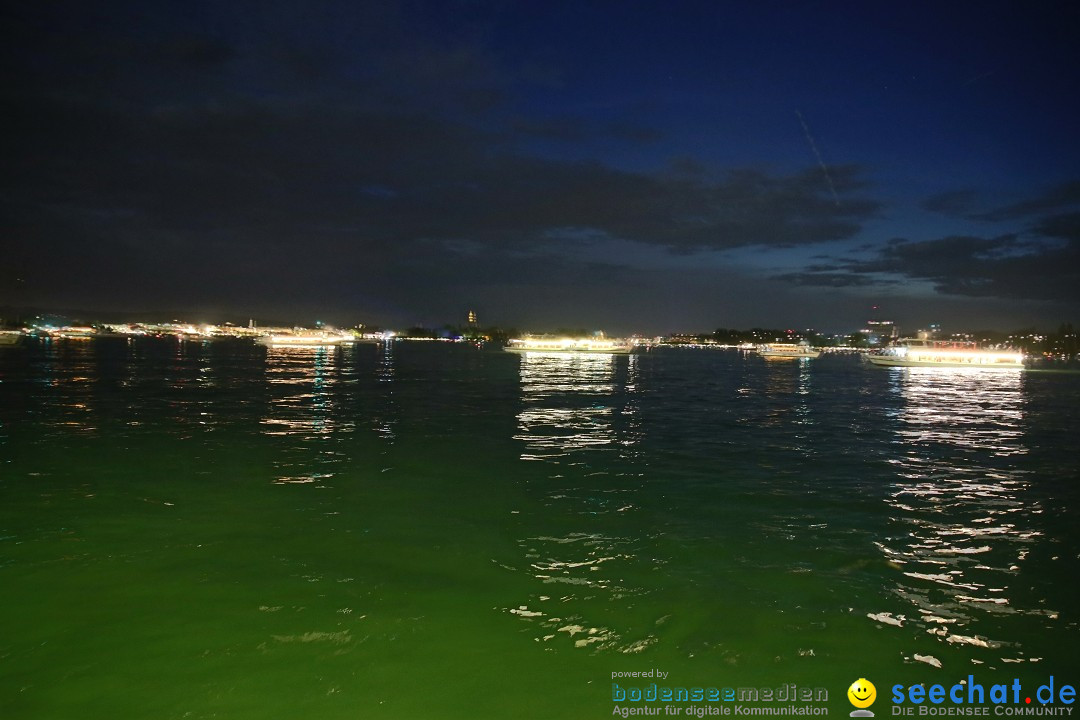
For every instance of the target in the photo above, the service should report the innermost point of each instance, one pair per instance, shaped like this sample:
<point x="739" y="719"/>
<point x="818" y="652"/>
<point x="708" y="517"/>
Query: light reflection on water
<point x="569" y="405"/>
<point x="581" y="413"/>
<point x="700" y="509"/>
<point x="787" y="396"/>
<point x="385" y="422"/>
<point x="579" y="580"/>
<point x="319" y="397"/>
<point x="303" y="386"/>
<point x="68" y="372"/>
<point x="963" y="524"/>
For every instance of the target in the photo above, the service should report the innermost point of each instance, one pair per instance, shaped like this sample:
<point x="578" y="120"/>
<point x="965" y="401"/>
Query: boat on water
<point x="10" y="338"/>
<point x="305" y="339"/>
<point x="911" y="352"/>
<point x="787" y="350"/>
<point x="596" y="345"/>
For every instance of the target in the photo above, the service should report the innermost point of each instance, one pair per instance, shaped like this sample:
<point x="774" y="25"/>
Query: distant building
<point x="884" y="329"/>
<point x="472" y="317"/>
<point x="929" y="333"/>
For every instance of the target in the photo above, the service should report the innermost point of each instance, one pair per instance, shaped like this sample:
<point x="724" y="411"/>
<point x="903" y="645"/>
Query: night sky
<point x="626" y="166"/>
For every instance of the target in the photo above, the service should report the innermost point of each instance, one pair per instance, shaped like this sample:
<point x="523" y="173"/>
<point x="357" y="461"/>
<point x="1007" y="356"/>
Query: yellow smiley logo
<point x="862" y="693"/>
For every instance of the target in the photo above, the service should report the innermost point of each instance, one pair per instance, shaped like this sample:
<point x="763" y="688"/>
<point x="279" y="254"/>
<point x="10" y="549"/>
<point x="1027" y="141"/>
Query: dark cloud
<point x="1039" y="260"/>
<point x="954" y="203"/>
<point x="289" y="168"/>
<point x="529" y="199"/>
<point x="968" y="204"/>
<point x="574" y="129"/>
<point x="1064" y="227"/>
<point x="1007" y="266"/>
<point x="206" y="204"/>
<point x="635" y="133"/>
<point x="1059" y="197"/>
<point x="817" y="278"/>
<point x="362" y="135"/>
<point x="687" y="166"/>
<point x="563" y="129"/>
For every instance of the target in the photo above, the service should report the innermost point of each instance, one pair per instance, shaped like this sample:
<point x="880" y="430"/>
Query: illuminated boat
<point x="72" y="332"/>
<point x="787" y="350"/>
<point x="305" y="339"/>
<point x="599" y="345"/>
<point x="910" y="352"/>
<point x="9" y="338"/>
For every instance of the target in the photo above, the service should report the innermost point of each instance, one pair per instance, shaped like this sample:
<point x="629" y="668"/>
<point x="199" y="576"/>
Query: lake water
<point x="423" y="530"/>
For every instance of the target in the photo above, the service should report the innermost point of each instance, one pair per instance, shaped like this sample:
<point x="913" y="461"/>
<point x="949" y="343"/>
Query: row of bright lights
<point x="192" y="331"/>
<point x="567" y="343"/>
<point x="972" y="356"/>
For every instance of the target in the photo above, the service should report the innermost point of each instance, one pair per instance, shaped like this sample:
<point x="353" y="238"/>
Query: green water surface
<point x="439" y="531"/>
